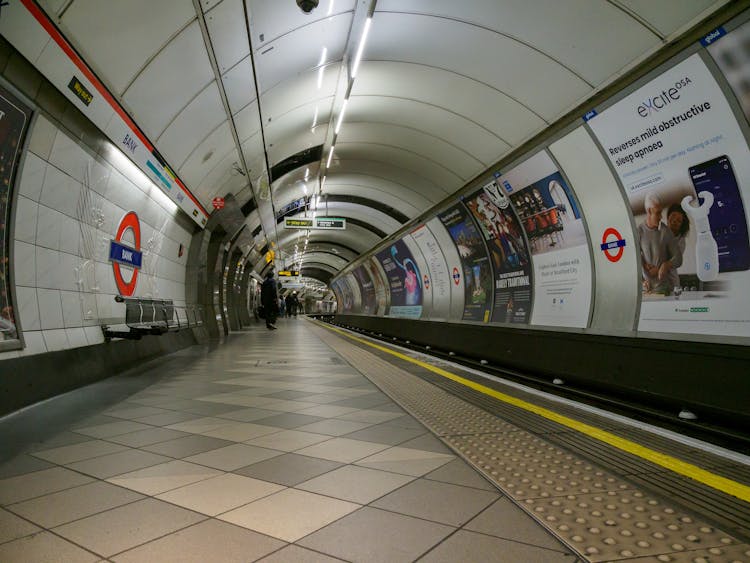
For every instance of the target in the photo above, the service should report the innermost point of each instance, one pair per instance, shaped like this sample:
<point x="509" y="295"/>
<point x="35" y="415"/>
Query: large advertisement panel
<point x="382" y="294"/>
<point x="477" y="271"/>
<point x="367" y="290"/>
<point x="437" y="279"/>
<point x="14" y="119"/>
<point x="685" y="167"/>
<point x="732" y="54"/>
<point x="404" y="280"/>
<point x="553" y="223"/>
<point x="511" y="263"/>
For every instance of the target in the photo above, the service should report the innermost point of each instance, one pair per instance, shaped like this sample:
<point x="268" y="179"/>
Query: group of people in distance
<point x="662" y="245"/>
<point x="272" y="305"/>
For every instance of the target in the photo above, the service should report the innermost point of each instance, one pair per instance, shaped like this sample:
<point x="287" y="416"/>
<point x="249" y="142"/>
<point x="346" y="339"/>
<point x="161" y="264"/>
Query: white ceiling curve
<point x="444" y="90"/>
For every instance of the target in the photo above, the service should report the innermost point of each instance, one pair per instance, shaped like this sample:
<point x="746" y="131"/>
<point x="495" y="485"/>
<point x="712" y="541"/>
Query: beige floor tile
<point x="459" y="472"/>
<point x="116" y="464"/>
<point x="355" y="484"/>
<point x="65" y="506"/>
<point x="111" y="429"/>
<point x="220" y="494"/>
<point x="288" y="440"/>
<point x="237" y="399"/>
<point x="334" y="427"/>
<point x="79" y="452"/>
<point x="240" y="431"/>
<point x="198" y="425"/>
<point x="289" y="406"/>
<point x="328" y="410"/>
<point x="296" y="554"/>
<point x="163" y="477"/>
<point x="342" y="450"/>
<point x="125" y="527"/>
<point x="233" y="457"/>
<point x="131" y="412"/>
<point x="30" y="485"/>
<point x="12" y="527"/>
<point x="470" y="546"/>
<point x="44" y="547"/>
<point x="406" y="461"/>
<point x="147" y="437"/>
<point x="290" y="514"/>
<point x="210" y="541"/>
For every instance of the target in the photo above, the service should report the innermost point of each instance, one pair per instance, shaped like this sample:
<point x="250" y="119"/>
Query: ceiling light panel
<point x="104" y="34"/>
<point x="155" y="100"/>
<point x="247" y="121"/>
<point x="212" y="150"/>
<point x="239" y="85"/>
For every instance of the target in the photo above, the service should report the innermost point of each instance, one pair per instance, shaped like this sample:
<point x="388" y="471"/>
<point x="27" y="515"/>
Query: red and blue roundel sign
<point x="124" y="254"/>
<point x="456" y="276"/>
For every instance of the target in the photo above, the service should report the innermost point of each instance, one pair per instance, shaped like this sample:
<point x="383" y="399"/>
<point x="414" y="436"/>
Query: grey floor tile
<point x="289" y="420"/>
<point x="147" y="437"/>
<point x="132" y="412"/>
<point x="406" y="421"/>
<point x="385" y="434"/>
<point x="407" y="461"/>
<point x="164" y="477"/>
<point x="334" y="427"/>
<point x="355" y="484"/>
<point x="289" y="469"/>
<point x="233" y="456"/>
<point x="30" y="485"/>
<point x="342" y="450"/>
<point x="79" y="452"/>
<point x="458" y="472"/>
<point x="170" y="417"/>
<point x="207" y="409"/>
<point x="440" y="502"/>
<point x="12" y="527"/>
<point x="44" y="547"/>
<point x="365" y="402"/>
<point x="114" y="464"/>
<point x="21" y="464"/>
<point x="391" y="407"/>
<point x="427" y="442"/>
<point x="212" y="540"/>
<point x="250" y="414"/>
<point x="65" y="506"/>
<point x="377" y="536"/>
<point x="291" y="395"/>
<point x="288" y="440"/>
<point x="187" y="446"/>
<point x="66" y="438"/>
<point x="505" y="520"/>
<point x="296" y="554"/>
<point x="470" y="546"/>
<point x="119" y="529"/>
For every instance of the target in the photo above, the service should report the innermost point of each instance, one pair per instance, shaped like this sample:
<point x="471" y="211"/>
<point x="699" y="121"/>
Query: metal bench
<point x="153" y="317"/>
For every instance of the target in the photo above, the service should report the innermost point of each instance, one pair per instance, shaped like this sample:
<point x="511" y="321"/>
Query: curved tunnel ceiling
<point x="232" y="92"/>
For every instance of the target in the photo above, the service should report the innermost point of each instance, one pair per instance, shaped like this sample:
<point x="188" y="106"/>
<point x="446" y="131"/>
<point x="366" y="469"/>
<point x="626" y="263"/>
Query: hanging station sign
<point x="324" y="223"/>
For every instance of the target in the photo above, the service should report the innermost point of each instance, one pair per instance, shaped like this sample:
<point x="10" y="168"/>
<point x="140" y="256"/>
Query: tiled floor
<point x="270" y="447"/>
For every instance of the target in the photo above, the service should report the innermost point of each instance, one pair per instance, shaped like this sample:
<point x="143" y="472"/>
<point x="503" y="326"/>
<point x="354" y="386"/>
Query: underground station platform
<point x="316" y="443"/>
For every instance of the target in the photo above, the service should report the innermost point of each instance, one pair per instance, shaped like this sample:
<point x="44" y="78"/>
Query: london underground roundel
<point x="123" y="254"/>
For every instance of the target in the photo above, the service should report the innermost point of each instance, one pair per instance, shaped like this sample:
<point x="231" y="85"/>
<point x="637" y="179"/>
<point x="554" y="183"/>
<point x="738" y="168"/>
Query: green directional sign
<point x="315" y="223"/>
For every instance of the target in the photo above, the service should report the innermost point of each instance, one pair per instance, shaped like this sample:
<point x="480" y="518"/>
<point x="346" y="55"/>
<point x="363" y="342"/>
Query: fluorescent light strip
<point x="330" y="157"/>
<point x="315" y="122"/>
<point x="361" y="48"/>
<point x="341" y="116"/>
<point x="330" y="7"/>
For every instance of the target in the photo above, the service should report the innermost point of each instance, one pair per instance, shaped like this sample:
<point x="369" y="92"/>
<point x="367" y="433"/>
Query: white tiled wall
<point x="69" y="206"/>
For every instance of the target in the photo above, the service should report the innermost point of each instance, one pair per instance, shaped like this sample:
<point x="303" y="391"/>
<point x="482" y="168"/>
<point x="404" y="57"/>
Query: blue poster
<point x="404" y="280"/>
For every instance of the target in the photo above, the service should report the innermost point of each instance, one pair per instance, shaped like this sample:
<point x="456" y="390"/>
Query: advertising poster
<point x="732" y="56"/>
<point x="477" y="271"/>
<point x="553" y="224"/>
<point x="510" y="255"/>
<point x="404" y="280"/>
<point x="381" y="294"/>
<point x="336" y="288"/>
<point x="347" y="295"/>
<point x="14" y="119"/>
<point x="367" y="290"/>
<point x="437" y="279"/>
<point x="685" y="168"/>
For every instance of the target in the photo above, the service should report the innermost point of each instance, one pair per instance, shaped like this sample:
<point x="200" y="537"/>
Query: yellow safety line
<point x="717" y="482"/>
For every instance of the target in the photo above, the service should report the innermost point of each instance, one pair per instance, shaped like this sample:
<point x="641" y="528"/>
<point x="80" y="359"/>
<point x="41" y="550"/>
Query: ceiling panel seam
<point x="396" y="147"/>
<point x="496" y="32"/>
<point x="222" y="93"/>
<point x="467" y="77"/>
<point x="638" y="18"/>
<point x="437" y="106"/>
<point x="390" y="181"/>
<point x="313" y="22"/>
<point x="423" y="132"/>
<point x="154" y="55"/>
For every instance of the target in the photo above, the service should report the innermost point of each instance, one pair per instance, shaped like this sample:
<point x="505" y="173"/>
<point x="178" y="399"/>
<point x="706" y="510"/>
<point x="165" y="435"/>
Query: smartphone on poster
<point x="727" y="215"/>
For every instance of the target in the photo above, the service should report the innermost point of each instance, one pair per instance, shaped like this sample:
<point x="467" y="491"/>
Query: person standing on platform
<point x="270" y="300"/>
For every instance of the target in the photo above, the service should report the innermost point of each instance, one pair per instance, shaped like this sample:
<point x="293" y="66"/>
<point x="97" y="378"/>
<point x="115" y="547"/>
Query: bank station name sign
<point x="315" y="223"/>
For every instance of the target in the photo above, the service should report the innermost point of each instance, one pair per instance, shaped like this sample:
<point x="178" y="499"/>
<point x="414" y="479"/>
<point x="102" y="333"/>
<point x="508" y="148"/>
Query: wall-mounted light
<point x="361" y="48"/>
<point x="321" y="70"/>
<point x="330" y="157"/>
<point x="341" y="117"/>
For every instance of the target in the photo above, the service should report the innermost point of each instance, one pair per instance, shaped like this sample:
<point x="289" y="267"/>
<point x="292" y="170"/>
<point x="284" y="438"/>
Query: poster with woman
<point x="404" y="280"/>
<point x="553" y="224"/>
<point x="477" y="272"/>
<point x="510" y="255"/>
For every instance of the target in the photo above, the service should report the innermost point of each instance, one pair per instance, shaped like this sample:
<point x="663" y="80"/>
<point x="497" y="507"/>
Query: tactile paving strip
<point x="597" y="514"/>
